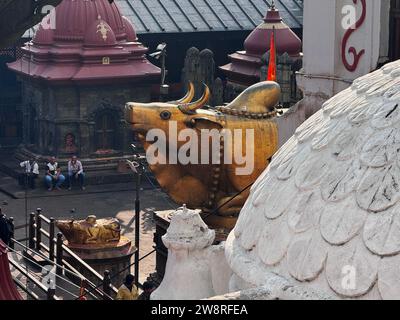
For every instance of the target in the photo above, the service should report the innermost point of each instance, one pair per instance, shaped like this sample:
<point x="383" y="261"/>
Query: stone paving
<point x="113" y="201"/>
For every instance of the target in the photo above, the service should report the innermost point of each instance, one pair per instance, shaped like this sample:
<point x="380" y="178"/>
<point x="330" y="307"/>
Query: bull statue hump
<point x="202" y="185"/>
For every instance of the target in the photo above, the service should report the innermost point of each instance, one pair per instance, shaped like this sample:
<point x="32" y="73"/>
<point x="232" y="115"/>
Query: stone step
<point x="65" y="288"/>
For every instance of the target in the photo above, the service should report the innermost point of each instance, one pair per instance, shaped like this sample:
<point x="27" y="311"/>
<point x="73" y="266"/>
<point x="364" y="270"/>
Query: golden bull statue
<point x="210" y="184"/>
<point x="91" y="231"/>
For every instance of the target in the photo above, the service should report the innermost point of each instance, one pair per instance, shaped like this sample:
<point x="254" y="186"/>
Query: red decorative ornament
<point x="272" y="59"/>
<point x="353" y="51"/>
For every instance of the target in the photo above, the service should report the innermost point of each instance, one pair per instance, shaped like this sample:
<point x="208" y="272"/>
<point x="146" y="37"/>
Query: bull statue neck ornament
<point x="201" y="184"/>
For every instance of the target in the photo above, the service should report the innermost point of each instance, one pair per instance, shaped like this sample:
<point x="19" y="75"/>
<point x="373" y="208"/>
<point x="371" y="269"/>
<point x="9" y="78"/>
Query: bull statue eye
<point x="165" y="115"/>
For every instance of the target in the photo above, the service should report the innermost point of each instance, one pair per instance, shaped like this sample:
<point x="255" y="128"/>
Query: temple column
<point x="342" y="40"/>
<point x="329" y="40"/>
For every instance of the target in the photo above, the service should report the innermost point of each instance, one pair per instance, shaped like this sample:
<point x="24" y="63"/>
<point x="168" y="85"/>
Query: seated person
<point x="75" y="172"/>
<point x="54" y="177"/>
<point x="31" y="173"/>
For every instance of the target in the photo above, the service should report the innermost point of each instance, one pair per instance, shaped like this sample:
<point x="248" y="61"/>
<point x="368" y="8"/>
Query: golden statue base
<point x="113" y="257"/>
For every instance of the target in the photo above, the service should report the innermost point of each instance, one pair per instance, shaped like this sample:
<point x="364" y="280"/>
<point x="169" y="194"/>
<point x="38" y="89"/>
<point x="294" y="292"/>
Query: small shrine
<point x="77" y="77"/>
<point x="246" y="67"/>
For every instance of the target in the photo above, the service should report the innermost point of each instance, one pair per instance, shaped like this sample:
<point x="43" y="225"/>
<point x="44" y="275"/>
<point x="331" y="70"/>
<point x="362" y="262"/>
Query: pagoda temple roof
<point x="175" y="16"/>
<point x="91" y="43"/>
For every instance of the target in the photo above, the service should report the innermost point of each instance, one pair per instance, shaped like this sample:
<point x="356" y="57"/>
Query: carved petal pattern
<point x="382" y="233"/>
<point x="387" y="115"/>
<point x="350" y="142"/>
<point x="327" y="134"/>
<point x="304" y="213"/>
<point x="361" y="85"/>
<point x="249" y="235"/>
<point x="380" y="87"/>
<point x="315" y="119"/>
<point x="287" y="151"/>
<point x="290" y="165"/>
<point x="393" y="92"/>
<point x="260" y="195"/>
<point x="342" y="180"/>
<point x="280" y="201"/>
<point x="363" y="112"/>
<point x="381" y="148"/>
<point x="351" y="270"/>
<point x="311" y="172"/>
<point x="379" y="190"/>
<point x="306" y="256"/>
<point x="274" y="242"/>
<point x="339" y="100"/>
<point x="309" y="130"/>
<point x="389" y="278"/>
<point x="341" y="222"/>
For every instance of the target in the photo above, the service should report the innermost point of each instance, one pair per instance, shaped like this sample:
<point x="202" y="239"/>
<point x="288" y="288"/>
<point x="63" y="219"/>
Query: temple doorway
<point x="10" y="127"/>
<point x="105" y="131"/>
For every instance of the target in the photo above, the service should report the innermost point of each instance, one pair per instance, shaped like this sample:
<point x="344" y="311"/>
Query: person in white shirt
<point x="54" y="177"/>
<point x="75" y="172"/>
<point x="31" y="173"/>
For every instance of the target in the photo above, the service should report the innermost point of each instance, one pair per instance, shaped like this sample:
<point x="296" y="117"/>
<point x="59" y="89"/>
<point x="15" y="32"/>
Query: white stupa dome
<point x="326" y="213"/>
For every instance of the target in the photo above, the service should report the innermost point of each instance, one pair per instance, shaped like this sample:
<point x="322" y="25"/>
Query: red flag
<point x="272" y="58"/>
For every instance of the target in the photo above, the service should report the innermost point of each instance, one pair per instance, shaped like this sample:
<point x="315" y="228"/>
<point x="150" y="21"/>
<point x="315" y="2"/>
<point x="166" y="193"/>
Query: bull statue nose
<point x="128" y="112"/>
<point x="129" y="106"/>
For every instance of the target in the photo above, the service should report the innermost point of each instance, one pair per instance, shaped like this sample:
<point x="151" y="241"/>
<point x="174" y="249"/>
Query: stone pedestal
<point x="112" y="258"/>
<point x="162" y="220"/>
<point x="187" y="274"/>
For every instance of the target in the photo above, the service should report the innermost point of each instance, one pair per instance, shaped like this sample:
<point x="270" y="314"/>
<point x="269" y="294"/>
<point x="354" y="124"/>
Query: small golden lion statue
<point x="91" y="231"/>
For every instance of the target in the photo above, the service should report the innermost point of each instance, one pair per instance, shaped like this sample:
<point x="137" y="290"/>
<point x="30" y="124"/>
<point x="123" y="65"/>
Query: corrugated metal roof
<point x="172" y="16"/>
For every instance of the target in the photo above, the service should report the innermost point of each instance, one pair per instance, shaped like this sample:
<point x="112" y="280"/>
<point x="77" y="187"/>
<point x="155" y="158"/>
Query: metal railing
<point x="44" y="242"/>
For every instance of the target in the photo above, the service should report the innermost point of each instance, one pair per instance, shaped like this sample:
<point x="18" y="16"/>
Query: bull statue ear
<point x="204" y="123"/>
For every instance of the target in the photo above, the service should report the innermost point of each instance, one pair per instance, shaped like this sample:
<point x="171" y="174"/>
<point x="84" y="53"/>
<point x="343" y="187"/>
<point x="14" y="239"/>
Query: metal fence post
<point x="59" y="254"/>
<point x="11" y="244"/>
<point x="107" y="284"/>
<point x="51" y="240"/>
<point x="32" y="231"/>
<point x="51" y="293"/>
<point x="38" y="229"/>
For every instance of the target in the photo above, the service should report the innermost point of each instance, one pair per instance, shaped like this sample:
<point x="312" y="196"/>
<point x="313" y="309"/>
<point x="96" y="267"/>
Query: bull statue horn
<point x="187" y="98"/>
<point x="190" y="108"/>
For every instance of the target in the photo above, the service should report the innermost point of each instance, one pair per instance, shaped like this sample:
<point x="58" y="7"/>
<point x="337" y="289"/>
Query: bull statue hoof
<point x="203" y="156"/>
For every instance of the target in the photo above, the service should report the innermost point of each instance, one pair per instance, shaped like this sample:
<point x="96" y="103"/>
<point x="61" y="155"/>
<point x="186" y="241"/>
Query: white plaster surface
<point x="330" y="201"/>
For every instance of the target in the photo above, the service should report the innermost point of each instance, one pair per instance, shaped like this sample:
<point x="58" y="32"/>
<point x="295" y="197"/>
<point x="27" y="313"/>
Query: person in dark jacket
<point x="148" y="289"/>
<point x="6" y="229"/>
